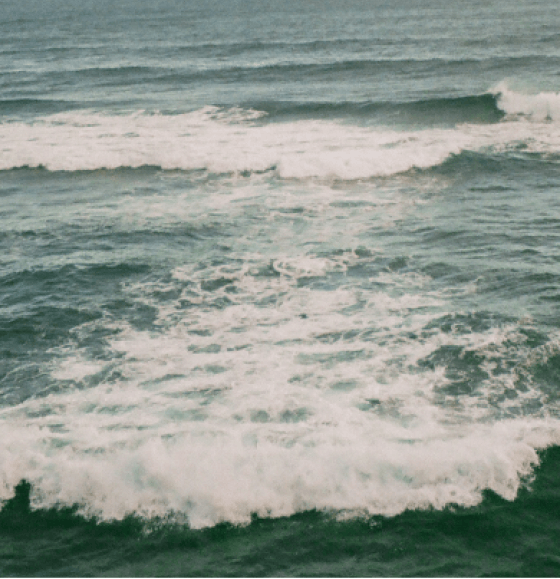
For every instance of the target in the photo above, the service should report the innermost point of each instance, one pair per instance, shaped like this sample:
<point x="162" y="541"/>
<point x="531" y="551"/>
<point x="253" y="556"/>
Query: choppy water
<point x="279" y="288"/>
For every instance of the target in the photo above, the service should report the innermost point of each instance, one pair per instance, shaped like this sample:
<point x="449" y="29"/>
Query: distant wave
<point x="307" y="68"/>
<point x="551" y="38"/>
<point x="179" y="68"/>
<point x="18" y="106"/>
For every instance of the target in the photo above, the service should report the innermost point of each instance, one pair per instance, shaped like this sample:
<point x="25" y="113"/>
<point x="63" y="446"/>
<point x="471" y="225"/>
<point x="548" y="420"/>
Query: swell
<point x="437" y="111"/>
<point x="279" y="70"/>
<point x="234" y="48"/>
<point x="481" y="108"/>
<point x="172" y="70"/>
<point x="35" y="106"/>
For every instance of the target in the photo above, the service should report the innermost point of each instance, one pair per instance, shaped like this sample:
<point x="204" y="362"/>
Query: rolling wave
<point x="238" y="140"/>
<point x="435" y="111"/>
<point x="180" y="68"/>
<point x="483" y="108"/>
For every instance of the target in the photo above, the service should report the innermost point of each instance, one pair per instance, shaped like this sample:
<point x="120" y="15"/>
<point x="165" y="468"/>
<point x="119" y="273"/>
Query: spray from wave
<point x="540" y="107"/>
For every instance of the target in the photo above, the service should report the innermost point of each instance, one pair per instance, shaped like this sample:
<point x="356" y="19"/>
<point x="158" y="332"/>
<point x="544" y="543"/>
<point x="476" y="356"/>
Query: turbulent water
<point x="279" y="287"/>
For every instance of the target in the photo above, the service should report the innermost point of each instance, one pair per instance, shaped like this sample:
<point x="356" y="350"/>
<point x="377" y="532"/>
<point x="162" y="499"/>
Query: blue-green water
<point x="279" y="288"/>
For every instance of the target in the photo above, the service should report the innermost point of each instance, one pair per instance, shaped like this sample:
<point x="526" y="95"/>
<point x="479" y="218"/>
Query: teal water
<point x="279" y="288"/>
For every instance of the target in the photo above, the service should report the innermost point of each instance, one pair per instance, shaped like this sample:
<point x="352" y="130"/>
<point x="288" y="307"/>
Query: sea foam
<point x="290" y="398"/>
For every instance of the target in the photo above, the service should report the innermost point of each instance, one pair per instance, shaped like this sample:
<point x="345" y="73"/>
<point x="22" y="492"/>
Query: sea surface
<point x="279" y="288"/>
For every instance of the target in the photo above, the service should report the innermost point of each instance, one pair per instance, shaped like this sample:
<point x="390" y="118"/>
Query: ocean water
<point x="280" y="288"/>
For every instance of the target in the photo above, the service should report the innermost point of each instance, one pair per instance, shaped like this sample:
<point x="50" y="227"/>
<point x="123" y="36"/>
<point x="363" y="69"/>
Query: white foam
<point x="75" y="367"/>
<point x="290" y="398"/>
<point x="230" y="475"/>
<point x="543" y="106"/>
<point x="230" y="142"/>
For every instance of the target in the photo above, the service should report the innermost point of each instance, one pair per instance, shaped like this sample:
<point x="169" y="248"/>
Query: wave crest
<point x="544" y="106"/>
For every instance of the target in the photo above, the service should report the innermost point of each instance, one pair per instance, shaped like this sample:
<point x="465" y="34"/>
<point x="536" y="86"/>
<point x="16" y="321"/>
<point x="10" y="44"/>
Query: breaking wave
<point x="244" y="140"/>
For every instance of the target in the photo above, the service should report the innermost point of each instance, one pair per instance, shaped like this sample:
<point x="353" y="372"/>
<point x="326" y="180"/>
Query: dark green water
<point x="496" y="539"/>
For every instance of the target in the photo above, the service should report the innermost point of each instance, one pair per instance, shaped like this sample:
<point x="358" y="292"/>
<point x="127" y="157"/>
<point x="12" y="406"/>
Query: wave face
<point x="265" y="265"/>
<point x="437" y="112"/>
